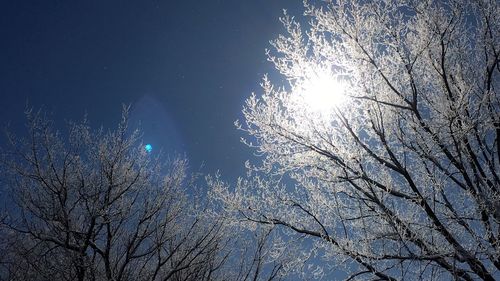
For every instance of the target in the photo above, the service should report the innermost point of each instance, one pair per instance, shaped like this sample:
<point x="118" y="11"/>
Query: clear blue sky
<point x="186" y="67"/>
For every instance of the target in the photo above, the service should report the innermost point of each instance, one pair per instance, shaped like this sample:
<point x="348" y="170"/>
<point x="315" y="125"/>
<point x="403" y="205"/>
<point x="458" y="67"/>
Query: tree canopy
<point x="399" y="177"/>
<point x="92" y="204"/>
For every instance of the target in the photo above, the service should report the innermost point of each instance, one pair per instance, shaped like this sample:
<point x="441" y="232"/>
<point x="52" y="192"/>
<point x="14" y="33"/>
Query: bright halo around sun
<point x="321" y="92"/>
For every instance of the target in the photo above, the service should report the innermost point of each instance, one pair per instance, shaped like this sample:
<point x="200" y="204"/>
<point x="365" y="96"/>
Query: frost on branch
<point x="94" y="205"/>
<point x="403" y="178"/>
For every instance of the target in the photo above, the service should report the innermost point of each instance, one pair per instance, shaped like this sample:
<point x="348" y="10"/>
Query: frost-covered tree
<point x="95" y="205"/>
<point x="382" y="147"/>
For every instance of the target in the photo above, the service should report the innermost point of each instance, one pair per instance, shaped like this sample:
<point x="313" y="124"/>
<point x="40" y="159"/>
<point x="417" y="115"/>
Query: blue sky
<point x="186" y="68"/>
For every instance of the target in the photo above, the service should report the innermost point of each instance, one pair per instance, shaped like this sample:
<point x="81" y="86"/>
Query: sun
<point x="321" y="91"/>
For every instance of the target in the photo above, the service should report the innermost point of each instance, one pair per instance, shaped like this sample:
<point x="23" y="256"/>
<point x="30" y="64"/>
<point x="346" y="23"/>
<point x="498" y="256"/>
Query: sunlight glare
<point x="321" y="92"/>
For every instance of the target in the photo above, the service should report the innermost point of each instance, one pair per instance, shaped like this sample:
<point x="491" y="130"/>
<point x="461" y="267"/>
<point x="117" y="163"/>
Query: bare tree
<point x="252" y="257"/>
<point x="390" y="127"/>
<point x="95" y="205"/>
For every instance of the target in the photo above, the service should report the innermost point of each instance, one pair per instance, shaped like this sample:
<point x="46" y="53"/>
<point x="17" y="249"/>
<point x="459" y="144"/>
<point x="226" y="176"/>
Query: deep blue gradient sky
<point x="186" y="67"/>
